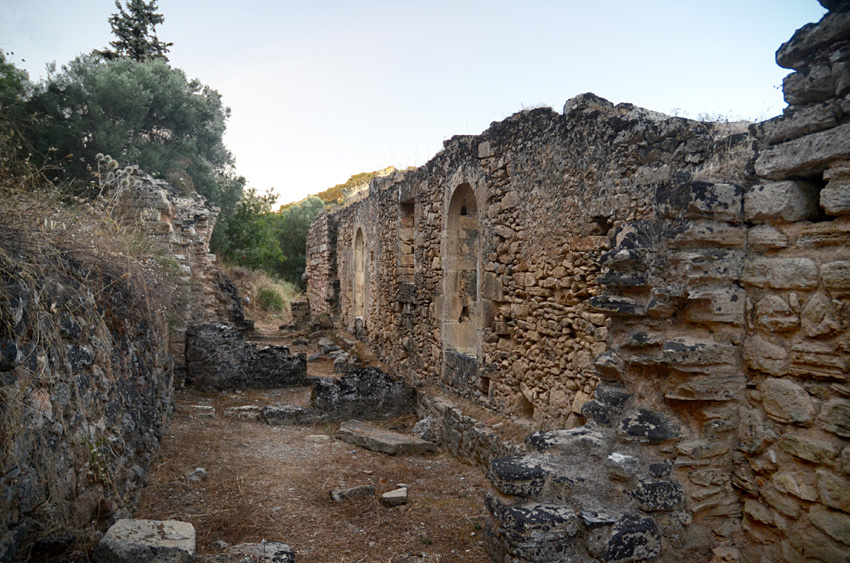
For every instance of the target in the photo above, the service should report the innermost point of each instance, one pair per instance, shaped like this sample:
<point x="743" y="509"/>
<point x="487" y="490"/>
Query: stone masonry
<point x="665" y="301"/>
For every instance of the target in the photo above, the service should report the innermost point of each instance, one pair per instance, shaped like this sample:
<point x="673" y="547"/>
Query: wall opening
<point x="524" y="407"/>
<point x="359" y="273"/>
<point x="460" y="273"/>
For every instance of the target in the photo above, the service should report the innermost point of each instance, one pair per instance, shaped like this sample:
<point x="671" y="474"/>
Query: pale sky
<point x="323" y="89"/>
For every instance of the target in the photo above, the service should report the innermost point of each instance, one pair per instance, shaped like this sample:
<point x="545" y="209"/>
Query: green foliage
<point x="144" y="113"/>
<point x="15" y="87"/>
<point x="247" y="237"/>
<point x="291" y="226"/>
<point x="135" y="29"/>
<point x="270" y="300"/>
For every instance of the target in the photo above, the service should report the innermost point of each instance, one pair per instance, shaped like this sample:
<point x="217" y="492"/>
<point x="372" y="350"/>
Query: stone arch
<point x="461" y="268"/>
<point x="359" y="293"/>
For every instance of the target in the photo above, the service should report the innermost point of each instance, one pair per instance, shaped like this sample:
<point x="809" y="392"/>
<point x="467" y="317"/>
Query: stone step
<point x="378" y="439"/>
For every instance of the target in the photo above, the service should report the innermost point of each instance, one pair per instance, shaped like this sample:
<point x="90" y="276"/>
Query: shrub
<point x="269" y="299"/>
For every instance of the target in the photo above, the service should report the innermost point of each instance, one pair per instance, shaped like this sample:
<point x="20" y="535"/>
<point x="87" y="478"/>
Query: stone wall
<point x="699" y="270"/>
<point x="491" y="297"/>
<point x="322" y="284"/>
<point x="89" y="339"/>
<point x="178" y="226"/>
<point x="85" y="390"/>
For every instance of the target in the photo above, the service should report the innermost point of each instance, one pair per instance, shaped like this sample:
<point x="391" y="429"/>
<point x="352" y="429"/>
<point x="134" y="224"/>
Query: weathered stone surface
<point x="612" y="395"/>
<point x="518" y="476"/>
<point x="834" y="490"/>
<point x="647" y="426"/>
<point x="796" y="122"/>
<point x="534" y="531"/>
<point x="784" y="202"/>
<point x="818" y="316"/>
<point x="219" y="357"/>
<point x="766" y="237"/>
<point x="807" y="40"/>
<point x="263" y="552"/>
<point x="688" y="352"/>
<point x="835" y="524"/>
<point x="782" y="273"/>
<point x="716" y="306"/>
<point x="277" y="415"/>
<point x="396" y="497"/>
<point x="809" y="448"/>
<point x="836" y="276"/>
<point x="807" y="155"/>
<point x="139" y="541"/>
<point x="816" y="84"/>
<point x="835" y="197"/>
<point x="716" y="385"/>
<point x="428" y="429"/>
<point x="622" y="465"/>
<point x="696" y="234"/>
<point x="776" y="315"/>
<point x="835" y="417"/>
<point x="616" y="305"/>
<point x="756" y="510"/>
<point x="799" y="483"/>
<point x="633" y="539"/>
<point x="810" y="543"/>
<point x="362" y="393"/>
<point x="654" y="496"/>
<point x="817" y="359"/>
<point x="700" y="200"/>
<point x="581" y="440"/>
<point x="352" y="493"/>
<point x="378" y="439"/>
<point x="786" y="401"/>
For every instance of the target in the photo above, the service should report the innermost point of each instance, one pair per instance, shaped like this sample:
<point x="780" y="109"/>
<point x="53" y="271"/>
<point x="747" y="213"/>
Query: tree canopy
<point x="135" y="32"/>
<point x="144" y="113"/>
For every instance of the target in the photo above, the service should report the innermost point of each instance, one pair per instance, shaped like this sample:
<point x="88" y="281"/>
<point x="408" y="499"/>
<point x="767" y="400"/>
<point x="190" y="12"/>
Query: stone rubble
<point x="147" y="541"/>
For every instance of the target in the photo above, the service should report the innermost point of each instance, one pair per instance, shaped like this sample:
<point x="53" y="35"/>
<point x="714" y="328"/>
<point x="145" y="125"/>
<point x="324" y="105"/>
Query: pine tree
<point x="135" y="29"/>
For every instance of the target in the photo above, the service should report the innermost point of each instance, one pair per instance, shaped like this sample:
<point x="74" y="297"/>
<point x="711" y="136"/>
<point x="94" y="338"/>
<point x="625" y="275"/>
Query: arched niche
<point x="359" y="274"/>
<point x="461" y="273"/>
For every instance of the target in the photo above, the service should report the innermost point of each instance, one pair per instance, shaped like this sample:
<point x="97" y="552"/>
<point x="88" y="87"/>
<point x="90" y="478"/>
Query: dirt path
<point x="273" y="483"/>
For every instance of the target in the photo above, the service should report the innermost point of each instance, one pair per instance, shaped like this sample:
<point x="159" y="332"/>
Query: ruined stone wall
<point x="178" y="226"/>
<point x="793" y="459"/>
<point x="322" y="284"/>
<point x="546" y="190"/>
<point x="89" y="339"/>
<point x="700" y="271"/>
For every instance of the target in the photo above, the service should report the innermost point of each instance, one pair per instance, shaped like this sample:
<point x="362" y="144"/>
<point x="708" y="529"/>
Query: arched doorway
<point x="461" y="274"/>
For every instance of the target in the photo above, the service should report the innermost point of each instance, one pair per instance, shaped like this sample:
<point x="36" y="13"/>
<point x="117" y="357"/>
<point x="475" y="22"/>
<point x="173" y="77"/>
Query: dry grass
<point x="273" y="483"/>
<point x="251" y="283"/>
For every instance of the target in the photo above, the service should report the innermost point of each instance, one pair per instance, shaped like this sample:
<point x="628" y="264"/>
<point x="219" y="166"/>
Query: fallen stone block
<point x="246" y="412"/>
<point x="352" y="493"/>
<point x="377" y="439"/>
<point x="261" y="552"/>
<point x="277" y="415"/>
<point x="200" y="411"/>
<point x="395" y="498"/>
<point x="140" y="541"/>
